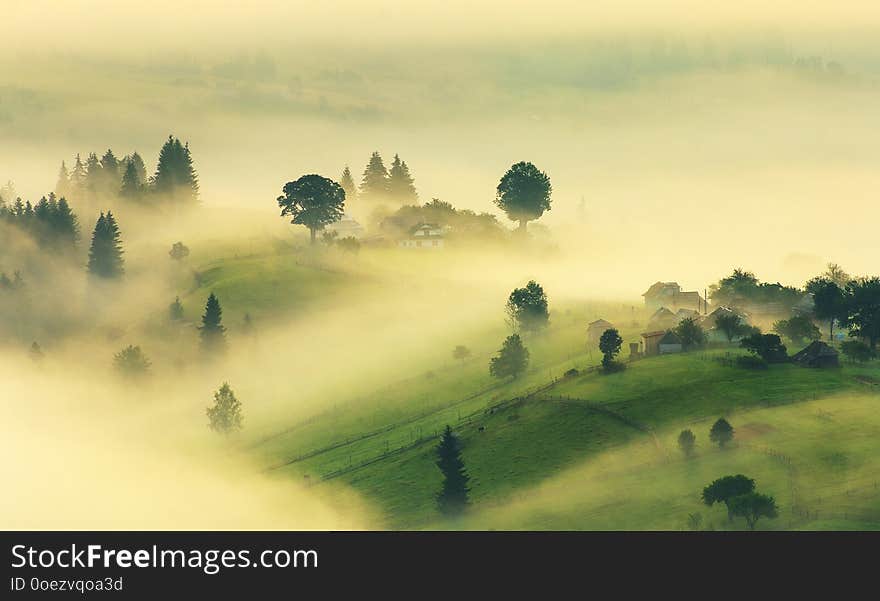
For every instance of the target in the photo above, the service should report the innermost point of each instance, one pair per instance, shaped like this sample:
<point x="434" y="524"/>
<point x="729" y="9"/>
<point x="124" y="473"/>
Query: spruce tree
<point x="62" y="187"/>
<point x="64" y="225"/>
<point x="374" y="185"/>
<point x="94" y="176"/>
<point x="110" y="164"/>
<point x="136" y="160"/>
<point x="175" y="310"/>
<point x="131" y="184"/>
<point x="77" y="178"/>
<point x="105" y="253"/>
<point x="212" y="331"/>
<point x="347" y="183"/>
<point x="176" y="178"/>
<point x="401" y="187"/>
<point x="453" y="497"/>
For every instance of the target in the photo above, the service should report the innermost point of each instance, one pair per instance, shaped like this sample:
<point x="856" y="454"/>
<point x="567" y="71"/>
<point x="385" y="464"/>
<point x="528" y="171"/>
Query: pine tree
<point x="110" y="164"/>
<point x="64" y="225"/>
<point x="374" y="185"/>
<point x="77" y="178"/>
<point x="176" y="178"/>
<point x="401" y="187"/>
<point x="105" y="254"/>
<point x="110" y="175"/>
<point x="453" y="497"/>
<point x="62" y="187"/>
<point x="212" y="331"/>
<point x="225" y="415"/>
<point x="132" y="186"/>
<point x="175" y="310"/>
<point x="136" y="160"/>
<point x="347" y="183"/>
<point x="94" y="176"/>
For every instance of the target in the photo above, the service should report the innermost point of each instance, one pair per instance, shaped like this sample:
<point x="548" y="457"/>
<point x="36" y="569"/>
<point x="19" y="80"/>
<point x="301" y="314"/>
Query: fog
<point x="681" y="140"/>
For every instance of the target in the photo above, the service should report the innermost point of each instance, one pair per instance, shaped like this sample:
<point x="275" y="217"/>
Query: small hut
<point x="817" y="354"/>
<point x="595" y="329"/>
<point x="670" y="343"/>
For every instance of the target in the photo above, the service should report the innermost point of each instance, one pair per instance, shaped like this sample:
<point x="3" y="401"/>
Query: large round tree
<point x="312" y="201"/>
<point x="524" y="193"/>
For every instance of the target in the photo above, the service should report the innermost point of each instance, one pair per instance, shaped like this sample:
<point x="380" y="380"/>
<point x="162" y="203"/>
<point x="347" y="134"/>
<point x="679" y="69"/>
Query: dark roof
<point x="816" y="354"/>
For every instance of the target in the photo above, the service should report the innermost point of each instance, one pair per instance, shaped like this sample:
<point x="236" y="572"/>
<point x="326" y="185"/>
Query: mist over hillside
<point x="723" y="154"/>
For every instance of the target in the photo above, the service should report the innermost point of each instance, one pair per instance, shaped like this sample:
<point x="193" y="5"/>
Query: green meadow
<point x="586" y="451"/>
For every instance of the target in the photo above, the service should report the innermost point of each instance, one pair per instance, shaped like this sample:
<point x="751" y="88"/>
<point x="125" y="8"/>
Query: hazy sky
<point x="656" y="114"/>
<point x="94" y="23"/>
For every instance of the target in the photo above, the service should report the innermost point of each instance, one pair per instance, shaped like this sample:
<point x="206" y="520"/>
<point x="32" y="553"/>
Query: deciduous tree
<point x="312" y="201"/>
<point x="524" y="193"/>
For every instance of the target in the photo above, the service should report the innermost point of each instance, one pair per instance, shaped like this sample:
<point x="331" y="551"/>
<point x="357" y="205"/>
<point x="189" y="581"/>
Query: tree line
<point x="50" y="223"/>
<point x="314" y="201"/>
<point x="96" y="179"/>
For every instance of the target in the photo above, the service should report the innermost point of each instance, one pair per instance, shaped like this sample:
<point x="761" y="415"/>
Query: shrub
<point x="751" y="362"/>
<point x="131" y="362"/>
<point x="610" y="366"/>
<point x="767" y="346"/>
<point x="571" y="373"/>
<point x="856" y="350"/>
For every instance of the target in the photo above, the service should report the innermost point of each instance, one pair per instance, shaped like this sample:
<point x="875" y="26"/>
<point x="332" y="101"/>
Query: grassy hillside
<point x="548" y="451"/>
<point x="270" y="285"/>
<point x="515" y="438"/>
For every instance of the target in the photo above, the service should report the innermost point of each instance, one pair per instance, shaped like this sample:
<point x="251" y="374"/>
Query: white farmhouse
<point x="426" y="235"/>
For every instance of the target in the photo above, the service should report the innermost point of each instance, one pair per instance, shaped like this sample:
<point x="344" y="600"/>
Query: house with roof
<point x="424" y="235"/>
<point x="669" y="343"/>
<point x="662" y="319"/>
<point x="346" y="227"/>
<point x="595" y="329"/>
<point x="671" y="296"/>
<point x="651" y="342"/>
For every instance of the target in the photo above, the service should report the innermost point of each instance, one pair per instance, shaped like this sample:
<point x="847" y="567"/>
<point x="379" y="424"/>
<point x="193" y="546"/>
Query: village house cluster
<point x="670" y="305"/>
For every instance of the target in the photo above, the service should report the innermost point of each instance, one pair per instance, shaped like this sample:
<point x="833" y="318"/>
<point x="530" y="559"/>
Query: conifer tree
<point x="176" y="178"/>
<point x="175" y="310"/>
<point x="374" y="185"/>
<point x="94" y="175"/>
<point x="62" y="187"/>
<point x="105" y="254"/>
<point x="347" y="183"/>
<point x="453" y="497"/>
<point x="212" y="331"/>
<point x="132" y="186"/>
<point x="110" y="164"/>
<point x="110" y="175"/>
<point x="77" y="178"/>
<point x="401" y="187"/>
<point x="136" y="160"/>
